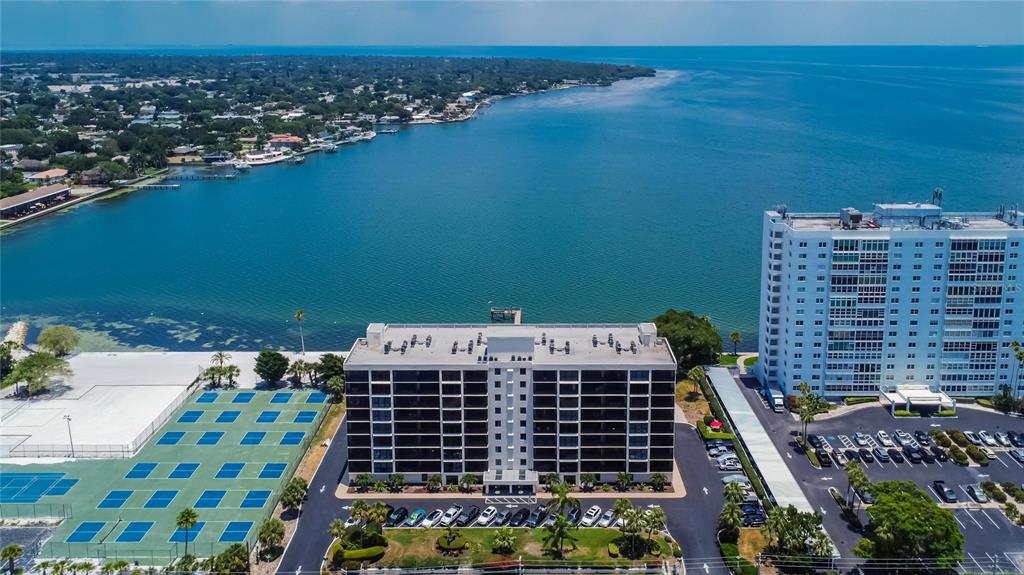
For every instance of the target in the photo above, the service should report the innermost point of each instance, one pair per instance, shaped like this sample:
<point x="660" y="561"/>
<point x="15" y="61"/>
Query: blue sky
<point x="71" y="24"/>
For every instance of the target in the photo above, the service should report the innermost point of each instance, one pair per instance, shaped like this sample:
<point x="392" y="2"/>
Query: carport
<point x="911" y="396"/>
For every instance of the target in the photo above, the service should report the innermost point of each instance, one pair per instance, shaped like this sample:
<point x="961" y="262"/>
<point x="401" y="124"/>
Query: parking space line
<point x="995" y="563"/>
<point x="971" y="516"/>
<point x="1000" y="460"/>
<point x="992" y="521"/>
<point x="980" y="568"/>
<point x="1014" y="563"/>
<point x="962" y="526"/>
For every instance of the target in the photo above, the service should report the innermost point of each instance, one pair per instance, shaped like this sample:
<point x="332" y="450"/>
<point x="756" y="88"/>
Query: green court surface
<point x="225" y="453"/>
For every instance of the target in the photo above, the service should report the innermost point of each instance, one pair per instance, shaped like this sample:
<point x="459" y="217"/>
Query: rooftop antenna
<point x="937" y="194"/>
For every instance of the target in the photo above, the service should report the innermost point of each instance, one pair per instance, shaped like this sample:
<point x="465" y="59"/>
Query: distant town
<point x="93" y="120"/>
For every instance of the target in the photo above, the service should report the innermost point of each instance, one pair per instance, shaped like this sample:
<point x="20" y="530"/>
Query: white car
<point x="607" y="519"/>
<point x="988" y="452"/>
<point x="904" y="438"/>
<point x="1003" y="439"/>
<point x="839" y="458"/>
<point x="591" y="516"/>
<point x="487" y="516"/>
<point x="861" y="439"/>
<point x="432" y="519"/>
<point x="884" y="440"/>
<point x="972" y="437"/>
<point x="987" y="438"/>
<point x="450" y="516"/>
<point x="352" y="521"/>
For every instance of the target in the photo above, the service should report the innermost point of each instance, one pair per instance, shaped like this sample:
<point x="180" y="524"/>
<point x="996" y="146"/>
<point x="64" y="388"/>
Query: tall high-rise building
<point x="906" y="296"/>
<point x="510" y="403"/>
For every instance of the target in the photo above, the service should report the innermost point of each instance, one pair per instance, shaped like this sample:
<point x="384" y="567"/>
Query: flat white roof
<point x="777" y="476"/>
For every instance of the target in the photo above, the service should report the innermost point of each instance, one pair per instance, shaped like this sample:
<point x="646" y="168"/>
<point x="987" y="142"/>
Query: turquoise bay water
<point x="591" y="204"/>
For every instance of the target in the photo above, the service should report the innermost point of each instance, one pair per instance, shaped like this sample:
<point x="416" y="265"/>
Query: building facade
<point x="510" y="403"/>
<point x="908" y="295"/>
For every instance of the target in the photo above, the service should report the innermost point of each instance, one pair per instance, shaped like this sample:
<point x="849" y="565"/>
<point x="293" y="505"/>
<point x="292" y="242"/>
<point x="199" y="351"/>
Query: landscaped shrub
<point x="958" y="437"/>
<point x="716" y="407"/>
<point x="677" y="551"/>
<point x="1013" y="490"/>
<point x="706" y="433"/>
<point x="738" y="565"/>
<point x="958" y="456"/>
<point x="945" y="413"/>
<point x="454" y="547"/>
<point x="986" y="403"/>
<point x="905" y="413"/>
<point x="613" y="550"/>
<point x="941" y="438"/>
<point x="813" y="457"/>
<point x="351" y="565"/>
<point x="369" y="554"/>
<point x="860" y="400"/>
<point x="977" y="455"/>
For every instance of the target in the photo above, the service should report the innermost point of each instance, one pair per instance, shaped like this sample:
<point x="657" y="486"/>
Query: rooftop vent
<point x="567" y="347"/>
<point x="611" y="340"/>
<point x="387" y="347"/>
<point x="455" y="347"/>
<point x="551" y="346"/>
<point x="595" y="340"/>
<point x="429" y="340"/>
<point x="618" y="347"/>
<point x="632" y="346"/>
<point x="479" y="337"/>
<point x="544" y="338"/>
<point x="412" y="342"/>
<point x="850" y="218"/>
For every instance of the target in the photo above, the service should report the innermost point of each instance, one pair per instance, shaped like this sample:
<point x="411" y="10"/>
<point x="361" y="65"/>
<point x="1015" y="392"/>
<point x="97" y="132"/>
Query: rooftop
<point x="32" y="196"/>
<point x="902" y="216"/>
<point x="52" y="173"/>
<point x="476" y="344"/>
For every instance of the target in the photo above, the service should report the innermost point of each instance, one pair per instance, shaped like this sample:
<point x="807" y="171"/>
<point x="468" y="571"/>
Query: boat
<point x="241" y="165"/>
<point x="265" y="158"/>
<point x="296" y="160"/>
<point x="388" y="131"/>
<point x="330" y="148"/>
<point x="217" y="158"/>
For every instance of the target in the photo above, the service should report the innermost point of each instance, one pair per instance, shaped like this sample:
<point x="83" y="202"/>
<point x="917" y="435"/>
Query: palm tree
<point x="504" y="540"/>
<point x="558" y="533"/>
<point x="623" y="479"/>
<point x="561" y="499"/>
<point x="695" y="376"/>
<point x="337" y="528"/>
<point x="734" y="493"/>
<point x="587" y="481"/>
<point x="655" y="519"/>
<point x="855" y="479"/>
<point x="468" y="481"/>
<point x="731" y="518"/>
<point x="378" y="513"/>
<point x="434" y="483"/>
<point x="633" y="524"/>
<point x="220" y="358"/>
<point x="735" y="338"/>
<point x="360" y="510"/>
<point x="775" y="525"/>
<point x="186" y="520"/>
<point x="302" y="341"/>
<point x="84" y="566"/>
<point x="44" y="565"/>
<point x="621" y="506"/>
<point x="60" y="567"/>
<point x="11" y="553"/>
<point x="810" y="406"/>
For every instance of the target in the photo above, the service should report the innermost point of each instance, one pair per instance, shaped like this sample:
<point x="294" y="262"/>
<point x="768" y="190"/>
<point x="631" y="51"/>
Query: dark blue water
<point x="592" y="204"/>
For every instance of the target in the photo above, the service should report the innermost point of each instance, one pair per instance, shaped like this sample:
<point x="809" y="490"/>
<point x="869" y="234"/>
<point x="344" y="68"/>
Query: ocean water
<point x="590" y="204"/>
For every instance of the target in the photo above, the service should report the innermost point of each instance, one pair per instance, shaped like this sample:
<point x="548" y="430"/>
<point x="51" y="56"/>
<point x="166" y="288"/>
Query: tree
<point x="59" y="340"/>
<point x="297" y="370"/>
<point x="655" y="519"/>
<point x="811" y="405"/>
<point x="231" y="561"/>
<point x="561" y="499"/>
<point x="633" y="526"/>
<point x="789" y="531"/>
<point x="658" y="481"/>
<point x="558" y="533"/>
<point x="587" y="481"/>
<point x="364" y="481"/>
<point x="550" y="480"/>
<point x="332" y="365"/>
<point x="10" y="554"/>
<point x="299" y="315"/>
<point x="37" y="370"/>
<point x="733" y="493"/>
<point x="735" y="338"/>
<point x="434" y="483"/>
<point x="696" y="376"/>
<point x="336" y="528"/>
<point x="271" y="534"/>
<point x="360" y="510"/>
<point x="185" y="521"/>
<point x="377" y="513"/>
<point x="396" y="481"/>
<point x="694" y="340"/>
<point x="504" y="540"/>
<point x="623" y="479"/>
<point x="336" y="387"/>
<point x="856" y="480"/>
<point x="220" y="358"/>
<point x="294" y="493"/>
<point x="906" y="522"/>
<point x="730" y="520"/>
<point x="468" y="481"/>
<point x="7" y="361"/>
<point x="271" y="366"/>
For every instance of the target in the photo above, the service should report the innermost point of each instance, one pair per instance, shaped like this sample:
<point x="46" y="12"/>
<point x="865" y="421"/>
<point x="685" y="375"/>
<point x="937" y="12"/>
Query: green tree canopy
<point x="37" y="370"/>
<point x="59" y="340"/>
<point x="271" y="366"/>
<point x="906" y="522"/>
<point x="332" y="365"/>
<point x="694" y="339"/>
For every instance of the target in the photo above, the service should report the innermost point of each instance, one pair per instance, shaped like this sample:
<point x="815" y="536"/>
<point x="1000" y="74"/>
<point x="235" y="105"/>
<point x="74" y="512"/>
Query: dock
<point x="182" y="177"/>
<point x="506" y="315"/>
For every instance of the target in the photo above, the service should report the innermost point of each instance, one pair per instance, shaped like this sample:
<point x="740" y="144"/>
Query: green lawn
<point x="415" y="547"/>
<point x="727" y="359"/>
<point x="750" y="361"/>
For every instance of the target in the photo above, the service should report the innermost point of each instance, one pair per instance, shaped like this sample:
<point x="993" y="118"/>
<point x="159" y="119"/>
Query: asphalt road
<point x="691" y="519"/>
<point x="992" y="543"/>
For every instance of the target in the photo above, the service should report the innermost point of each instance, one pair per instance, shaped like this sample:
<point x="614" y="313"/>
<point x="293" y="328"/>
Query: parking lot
<point x="992" y="543"/>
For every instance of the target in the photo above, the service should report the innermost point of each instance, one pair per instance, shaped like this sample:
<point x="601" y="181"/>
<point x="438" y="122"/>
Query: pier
<point x="181" y="177"/>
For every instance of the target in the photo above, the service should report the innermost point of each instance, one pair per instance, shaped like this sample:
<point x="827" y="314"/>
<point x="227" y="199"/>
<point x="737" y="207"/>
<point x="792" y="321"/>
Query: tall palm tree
<point x="337" y="528"/>
<point x="621" y="506"/>
<point x="855" y="479"/>
<point x="561" y="499"/>
<point x="735" y="338"/>
<point x="655" y="519"/>
<point x="632" y="527"/>
<point x="359" y="509"/>
<point x="731" y="517"/>
<point x="378" y="513"/>
<point x="44" y="565"/>
<point x="11" y="553"/>
<point x="734" y="493"/>
<point x="623" y="478"/>
<point x="695" y="376"/>
<point x="186" y="520"/>
<point x="299" y="315"/>
<point x="558" y="533"/>
<point x="220" y="358"/>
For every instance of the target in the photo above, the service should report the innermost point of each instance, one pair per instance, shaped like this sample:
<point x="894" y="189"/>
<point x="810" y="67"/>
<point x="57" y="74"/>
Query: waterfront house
<point x="281" y="141"/>
<point x="48" y="177"/>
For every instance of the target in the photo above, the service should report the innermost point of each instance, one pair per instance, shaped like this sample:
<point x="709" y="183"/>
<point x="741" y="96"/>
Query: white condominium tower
<point x="904" y="297"/>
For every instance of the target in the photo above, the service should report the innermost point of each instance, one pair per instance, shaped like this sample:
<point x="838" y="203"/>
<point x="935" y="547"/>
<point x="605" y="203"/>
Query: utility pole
<point x="67" y="418"/>
<point x="302" y="341"/>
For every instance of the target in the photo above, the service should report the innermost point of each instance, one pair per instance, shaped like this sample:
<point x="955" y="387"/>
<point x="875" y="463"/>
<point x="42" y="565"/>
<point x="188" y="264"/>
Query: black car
<point x="519" y="517"/>
<point x="574" y="515"/>
<point x="536" y="516"/>
<point x="823" y="458"/>
<point x="468" y="516"/>
<point x="713" y="443"/>
<point x="939" y="453"/>
<point x="852" y="454"/>
<point x="396" y="517"/>
<point x="1015" y="438"/>
<point x="926" y="455"/>
<point x="947" y="494"/>
<point x="922" y="438"/>
<point x="815" y="441"/>
<point x="865" y="455"/>
<point x="865" y="495"/>
<point x="895" y="455"/>
<point x="753" y="515"/>
<point x="912" y="454"/>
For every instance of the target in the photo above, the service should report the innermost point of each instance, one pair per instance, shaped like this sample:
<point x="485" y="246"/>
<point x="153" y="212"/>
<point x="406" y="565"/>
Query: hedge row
<point x="958" y="437"/>
<point x="977" y="455"/>
<point x="706" y="433"/>
<point x="716" y="407"/>
<point x="958" y="456"/>
<point x="944" y="413"/>
<point x="860" y="399"/>
<point x="370" y="554"/>
<point x="1013" y="490"/>
<point x="737" y="564"/>
<point x="905" y="413"/>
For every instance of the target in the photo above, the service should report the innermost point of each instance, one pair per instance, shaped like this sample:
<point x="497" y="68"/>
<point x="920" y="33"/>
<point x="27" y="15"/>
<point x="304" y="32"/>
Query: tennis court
<point x="224" y="453"/>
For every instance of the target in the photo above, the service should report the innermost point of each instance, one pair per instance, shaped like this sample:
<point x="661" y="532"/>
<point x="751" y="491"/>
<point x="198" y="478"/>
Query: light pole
<point x="67" y="418"/>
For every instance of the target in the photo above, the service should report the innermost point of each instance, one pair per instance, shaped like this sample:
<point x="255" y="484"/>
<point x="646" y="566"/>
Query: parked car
<point x="415" y="518"/>
<point x="753" y="515"/>
<point x="713" y="443"/>
<point x="988" y="452"/>
<point x="502" y="518"/>
<point x="926" y="455"/>
<point x="972" y="437"/>
<point x="838" y="457"/>
<point x="591" y="516"/>
<point x="883" y="439"/>
<point x="865" y="455"/>
<point x="450" y="515"/>
<point x="852" y="455"/>
<point x="736" y="478"/>
<point x="352" y="521"/>
<point x="519" y="517"/>
<point x="895" y="455"/>
<point x="733" y="465"/>
<point x="607" y="519"/>
<point x="947" y="494"/>
<point x="468" y="516"/>
<point x="823" y="458"/>
<point x="487" y="516"/>
<point x="1003" y="439"/>
<point x="815" y="441"/>
<point x="976" y="493"/>
<point x="865" y="495"/>
<point x="987" y="438"/>
<point x="862" y="439"/>
<point x="939" y="453"/>
<point x="1017" y="454"/>
<point x="903" y="438"/>
<point x="396" y="517"/>
<point x="718" y="451"/>
<point x="1015" y="438"/>
<point x="433" y="519"/>
<point x="881" y="454"/>
<point x="537" y="516"/>
<point x="549" y="520"/>
<point x="574" y="515"/>
<point x="912" y="454"/>
<point x="922" y="438"/>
